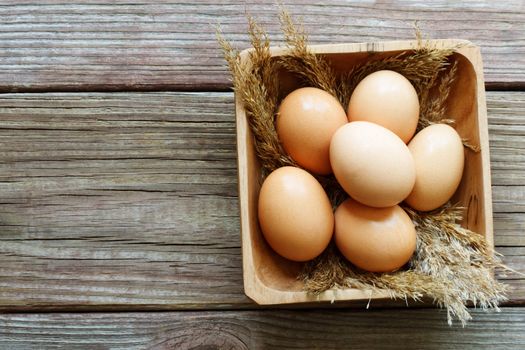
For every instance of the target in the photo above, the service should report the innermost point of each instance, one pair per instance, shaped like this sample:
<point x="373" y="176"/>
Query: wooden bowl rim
<point x="253" y="286"/>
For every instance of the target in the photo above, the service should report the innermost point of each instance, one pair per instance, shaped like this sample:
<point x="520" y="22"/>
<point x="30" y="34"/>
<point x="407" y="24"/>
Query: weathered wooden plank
<point x="506" y="129"/>
<point x="506" y="113"/>
<point x="129" y="200"/>
<point x="118" y="198"/>
<point x="509" y="229"/>
<point x="263" y="329"/>
<point x="118" y="45"/>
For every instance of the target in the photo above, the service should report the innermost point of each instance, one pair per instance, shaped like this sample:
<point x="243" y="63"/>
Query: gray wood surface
<point x="129" y="200"/>
<point x="263" y="329"/>
<point x="58" y="45"/>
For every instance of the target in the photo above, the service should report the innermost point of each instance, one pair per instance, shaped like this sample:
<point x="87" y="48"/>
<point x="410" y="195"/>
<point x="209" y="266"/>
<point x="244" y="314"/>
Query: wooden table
<point x="119" y="222"/>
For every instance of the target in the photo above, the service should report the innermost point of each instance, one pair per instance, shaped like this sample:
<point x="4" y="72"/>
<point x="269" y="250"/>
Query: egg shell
<point x="295" y="214"/>
<point x="372" y="164"/>
<point x="439" y="158"/>
<point x="386" y="98"/>
<point x="374" y="239"/>
<point x="306" y="120"/>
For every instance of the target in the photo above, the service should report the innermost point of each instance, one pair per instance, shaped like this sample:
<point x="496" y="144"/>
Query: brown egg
<point x="374" y="239"/>
<point x="386" y="98"/>
<point x="306" y="121"/>
<point x="439" y="157"/>
<point x="295" y="214"/>
<point x="372" y="164"/>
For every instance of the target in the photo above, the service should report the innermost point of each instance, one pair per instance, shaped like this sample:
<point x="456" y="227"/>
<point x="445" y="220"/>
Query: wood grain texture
<point x="58" y="45"/>
<point x="129" y="200"/>
<point x="263" y="329"/>
<point x="134" y="194"/>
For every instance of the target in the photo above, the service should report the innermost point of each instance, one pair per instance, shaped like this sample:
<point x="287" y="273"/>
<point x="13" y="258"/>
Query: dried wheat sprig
<point x="433" y="101"/>
<point x="261" y="60"/>
<point x="449" y="252"/>
<point x="260" y="100"/>
<point x="452" y="265"/>
<point x="313" y="69"/>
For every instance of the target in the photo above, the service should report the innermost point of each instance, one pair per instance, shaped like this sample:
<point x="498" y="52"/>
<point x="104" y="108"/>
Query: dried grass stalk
<point x="258" y="90"/>
<point x="433" y="103"/>
<point x="457" y="258"/>
<point x="314" y="70"/>
<point x="452" y="265"/>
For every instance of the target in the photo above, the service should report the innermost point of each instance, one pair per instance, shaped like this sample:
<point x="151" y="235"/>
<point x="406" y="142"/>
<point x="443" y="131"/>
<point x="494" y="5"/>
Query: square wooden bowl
<point x="271" y="279"/>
